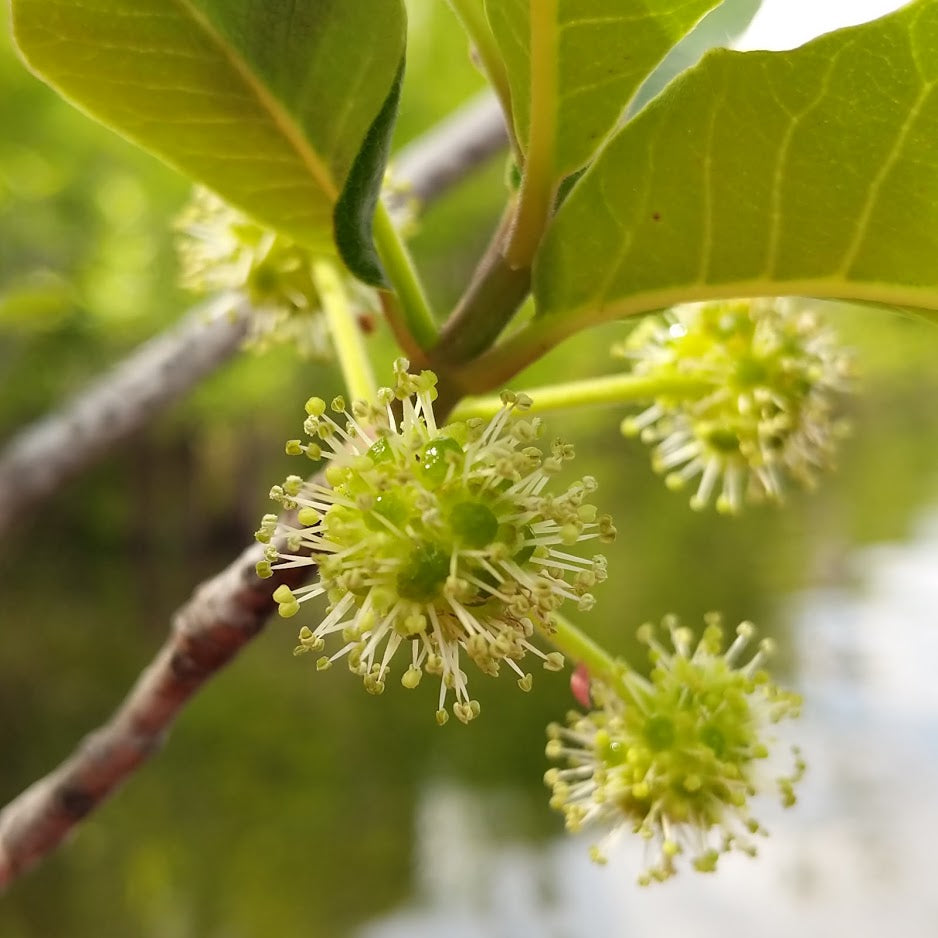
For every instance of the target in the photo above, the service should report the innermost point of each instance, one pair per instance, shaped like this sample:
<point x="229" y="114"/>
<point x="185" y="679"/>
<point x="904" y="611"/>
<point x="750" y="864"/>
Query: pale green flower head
<point x="764" y="410"/>
<point x="433" y="542"/>
<point x="227" y="254"/>
<point x="676" y="758"/>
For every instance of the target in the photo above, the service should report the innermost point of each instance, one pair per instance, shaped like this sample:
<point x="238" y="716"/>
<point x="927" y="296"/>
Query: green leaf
<point x="265" y="101"/>
<point x="355" y="210"/>
<point x="589" y="63"/>
<point x="812" y="172"/>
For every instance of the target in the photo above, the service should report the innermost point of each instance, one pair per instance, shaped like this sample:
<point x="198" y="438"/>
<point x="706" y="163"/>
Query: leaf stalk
<point x="416" y="319"/>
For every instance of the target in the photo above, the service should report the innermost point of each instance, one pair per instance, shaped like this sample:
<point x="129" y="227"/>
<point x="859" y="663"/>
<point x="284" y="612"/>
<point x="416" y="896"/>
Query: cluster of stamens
<point x="748" y="397"/>
<point x="442" y="541"/>
<point x="675" y="757"/>
<point x="242" y="264"/>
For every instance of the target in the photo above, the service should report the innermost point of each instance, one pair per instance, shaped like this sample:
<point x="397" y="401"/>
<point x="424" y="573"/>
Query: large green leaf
<point x="265" y="101"/>
<point x="588" y="64"/>
<point x="812" y="172"/>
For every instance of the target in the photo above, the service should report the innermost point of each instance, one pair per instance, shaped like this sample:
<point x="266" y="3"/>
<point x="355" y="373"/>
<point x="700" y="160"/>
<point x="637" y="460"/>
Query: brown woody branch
<point x="222" y="616"/>
<point x="41" y="458"/>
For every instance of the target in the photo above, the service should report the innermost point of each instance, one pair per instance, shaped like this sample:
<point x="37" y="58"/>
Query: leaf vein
<point x="706" y="236"/>
<point x="892" y="157"/>
<point x="778" y="175"/>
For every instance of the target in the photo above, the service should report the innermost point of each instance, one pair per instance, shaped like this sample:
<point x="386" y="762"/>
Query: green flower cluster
<point x="443" y="541"/>
<point x="225" y="253"/>
<point x="769" y="376"/>
<point x="677" y="757"/>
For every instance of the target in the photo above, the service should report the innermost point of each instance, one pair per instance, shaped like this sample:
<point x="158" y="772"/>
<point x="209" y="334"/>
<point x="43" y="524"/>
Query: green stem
<point x="490" y="301"/>
<point x="472" y="16"/>
<point x="538" y="183"/>
<point x="590" y="392"/>
<point x="416" y="317"/>
<point x="500" y="364"/>
<point x="346" y="336"/>
<point x="580" y="648"/>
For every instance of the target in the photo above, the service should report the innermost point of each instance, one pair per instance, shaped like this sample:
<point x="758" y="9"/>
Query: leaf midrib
<point x="280" y="117"/>
<point x="834" y="287"/>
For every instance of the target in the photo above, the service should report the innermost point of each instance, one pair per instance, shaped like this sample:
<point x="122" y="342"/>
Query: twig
<point x="223" y="615"/>
<point x="45" y="455"/>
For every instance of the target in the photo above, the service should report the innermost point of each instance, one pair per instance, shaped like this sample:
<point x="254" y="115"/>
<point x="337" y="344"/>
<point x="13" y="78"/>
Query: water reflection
<point x="855" y="856"/>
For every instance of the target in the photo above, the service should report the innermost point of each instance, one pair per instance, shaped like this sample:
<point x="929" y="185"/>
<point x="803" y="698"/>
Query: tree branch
<point x="222" y="616"/>
<point x="44" y="456"/>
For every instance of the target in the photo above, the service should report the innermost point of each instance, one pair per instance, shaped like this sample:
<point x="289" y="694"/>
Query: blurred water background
<point x="288" y="802"/>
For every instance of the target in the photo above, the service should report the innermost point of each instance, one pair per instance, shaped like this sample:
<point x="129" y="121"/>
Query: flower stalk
<point x="608" y="390"/>
<point x="344" y="329"/>
<point x="409" y="311"/>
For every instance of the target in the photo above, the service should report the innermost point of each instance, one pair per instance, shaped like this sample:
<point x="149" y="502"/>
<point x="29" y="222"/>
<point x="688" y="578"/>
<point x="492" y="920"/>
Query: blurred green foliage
<point x="284" y="803"/>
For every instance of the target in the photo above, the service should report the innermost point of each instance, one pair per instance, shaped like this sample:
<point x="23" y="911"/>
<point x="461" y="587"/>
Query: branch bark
<point x="222" y="616"/>
<point x="46" y="454"/>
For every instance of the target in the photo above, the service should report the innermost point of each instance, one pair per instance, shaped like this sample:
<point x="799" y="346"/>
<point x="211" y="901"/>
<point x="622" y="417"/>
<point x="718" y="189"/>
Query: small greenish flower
<point x="225" y="253"/>
<point x="677" y="757"/>
<point x="764" y="409"/>
<point x="437" y="542"/>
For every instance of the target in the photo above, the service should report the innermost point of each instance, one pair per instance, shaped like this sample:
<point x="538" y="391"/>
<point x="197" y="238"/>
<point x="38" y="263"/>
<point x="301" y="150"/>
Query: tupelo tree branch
<point x="222" y="616"/>
<point x="59" y="446"/>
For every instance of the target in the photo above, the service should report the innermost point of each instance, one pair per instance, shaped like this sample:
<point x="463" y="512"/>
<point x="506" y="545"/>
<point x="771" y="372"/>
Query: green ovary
<point x="473" y="525"/>
<point x="380" y="451"/>
<point x="390" y="506"/>
<point x="437" y="457"/>
<point x="723" y="440"/>
<point x="714" y="739"/>
<point x="423" y="574"/>
<point x="750" y="372"/>
<point x="660" y="732"/>
<point x="611" y="752"/>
